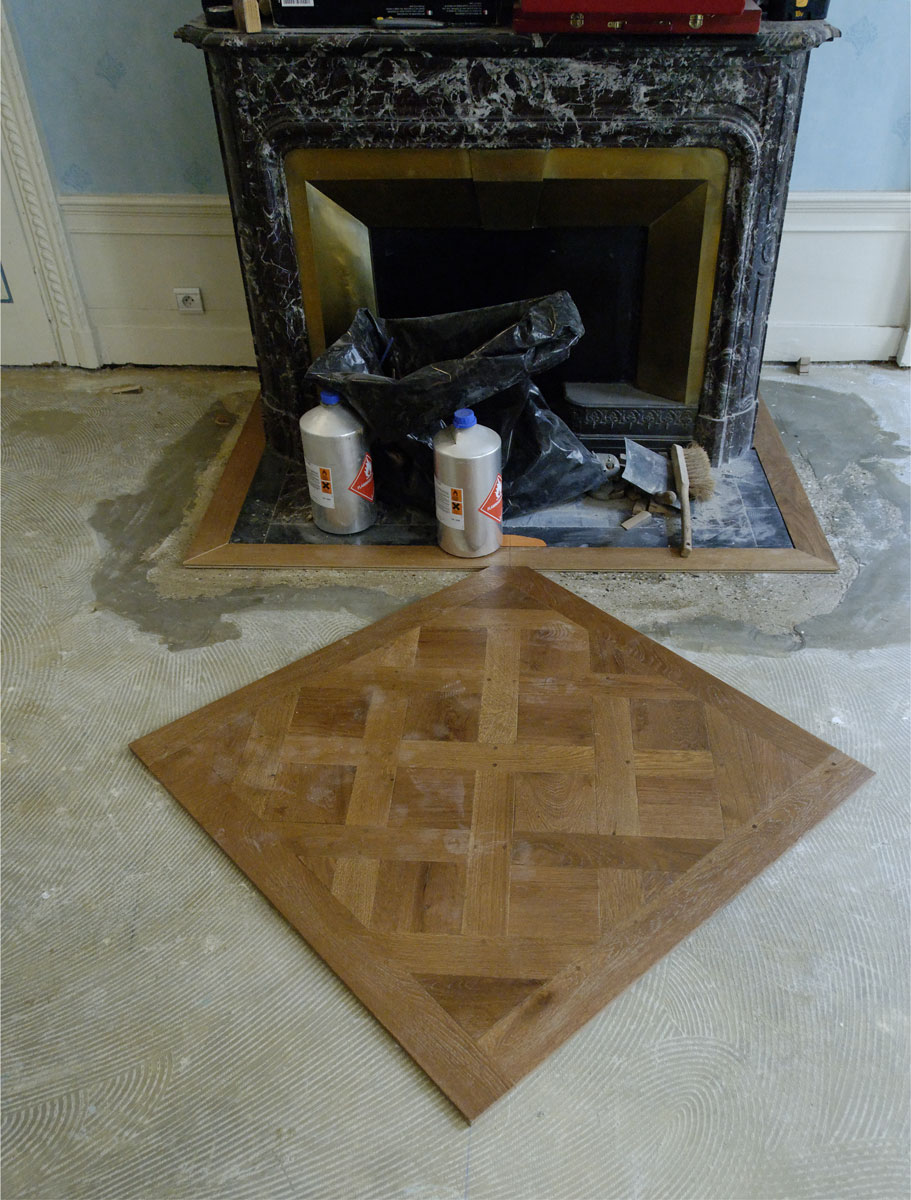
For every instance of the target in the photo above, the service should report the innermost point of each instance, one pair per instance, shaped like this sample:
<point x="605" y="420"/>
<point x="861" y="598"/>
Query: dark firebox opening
<point x="423" y="271"/>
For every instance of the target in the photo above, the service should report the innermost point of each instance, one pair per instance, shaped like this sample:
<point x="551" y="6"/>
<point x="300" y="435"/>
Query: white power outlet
<point x="189" y="300"/>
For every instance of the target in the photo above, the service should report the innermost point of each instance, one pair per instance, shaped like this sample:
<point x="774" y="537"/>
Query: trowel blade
<point x="646" y="470"/>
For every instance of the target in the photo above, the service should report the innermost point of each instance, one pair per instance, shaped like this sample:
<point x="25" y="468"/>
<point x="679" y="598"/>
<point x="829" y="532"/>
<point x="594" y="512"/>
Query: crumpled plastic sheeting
<point x="405" y="377"/>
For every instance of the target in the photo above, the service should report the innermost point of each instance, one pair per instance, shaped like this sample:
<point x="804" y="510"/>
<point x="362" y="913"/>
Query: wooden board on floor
<point x="212" y="546"/>
<point x="493" y="810"/>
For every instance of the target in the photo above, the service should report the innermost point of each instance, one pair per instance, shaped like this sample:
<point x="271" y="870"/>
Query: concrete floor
<point x="166" y="1034"/>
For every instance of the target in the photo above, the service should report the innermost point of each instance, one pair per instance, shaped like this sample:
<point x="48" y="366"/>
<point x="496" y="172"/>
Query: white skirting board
<point x="841" y="293"/>
<point x="131" y="252"/>
<point x="842" y="286"/>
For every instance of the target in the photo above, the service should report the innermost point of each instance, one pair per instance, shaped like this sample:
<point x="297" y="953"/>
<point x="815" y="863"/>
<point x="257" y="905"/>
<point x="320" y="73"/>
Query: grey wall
<point x="125" y="109"/>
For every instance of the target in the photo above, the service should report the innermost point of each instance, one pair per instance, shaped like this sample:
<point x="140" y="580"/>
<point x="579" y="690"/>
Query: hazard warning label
<point x="363" y="483"/>
<point x="493" y="505"/>
<point x="450" y="505"/>
<point x="319" y="482"/>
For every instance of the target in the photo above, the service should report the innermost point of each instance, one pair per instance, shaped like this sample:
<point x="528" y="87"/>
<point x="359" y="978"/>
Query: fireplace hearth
<point x="550" y="137"/>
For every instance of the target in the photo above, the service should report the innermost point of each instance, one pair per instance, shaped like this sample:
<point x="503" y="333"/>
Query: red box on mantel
<point x="581" y="19"/>
<point x="633" y="8"/>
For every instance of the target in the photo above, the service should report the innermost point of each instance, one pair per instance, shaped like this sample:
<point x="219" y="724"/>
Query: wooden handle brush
<point x="693" y="476"/>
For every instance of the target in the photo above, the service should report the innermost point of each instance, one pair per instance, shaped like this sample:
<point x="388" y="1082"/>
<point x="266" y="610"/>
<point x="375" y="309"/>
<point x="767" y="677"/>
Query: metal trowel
<point x="649" y="472"/>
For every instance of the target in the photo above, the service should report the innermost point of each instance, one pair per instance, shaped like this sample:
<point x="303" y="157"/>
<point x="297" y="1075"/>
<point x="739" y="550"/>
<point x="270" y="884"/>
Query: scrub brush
<point x="693" y="476"/>
<point x="699" y="469"/>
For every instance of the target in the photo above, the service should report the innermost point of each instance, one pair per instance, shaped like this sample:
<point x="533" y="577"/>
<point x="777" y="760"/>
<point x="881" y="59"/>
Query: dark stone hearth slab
<point x="741" y="515"/>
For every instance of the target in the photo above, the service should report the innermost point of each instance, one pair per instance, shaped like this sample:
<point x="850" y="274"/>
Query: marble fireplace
<point x="439" y="170"/>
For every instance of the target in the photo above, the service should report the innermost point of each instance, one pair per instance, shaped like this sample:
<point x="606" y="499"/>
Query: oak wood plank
<point x="620" y="895"/>
<point x="554" y="903"/>
<point x="701" y="822"/>
<point x="419" y="897"/>
<point x="678" y="763"/>
<point x="354" y="885"/>
<point x="217" y="524"/>
<point x="800" y="520"/>
<point x="497" y="957"/>
<point x="555" y="801"/>
<point x="475" y="1003"/>
<point x="594" y="850"/>
<point x="454" y="755"/>
<point x="553" y="558"/>
<point x="500" y="698"/>
<point x="509" y="619"/>
<point x="355" y="879"/>
<point x="407" y="679"/>
<point x="487" y="868"/>
<point x="399" y="842"/>
<point x="616" y="796"/>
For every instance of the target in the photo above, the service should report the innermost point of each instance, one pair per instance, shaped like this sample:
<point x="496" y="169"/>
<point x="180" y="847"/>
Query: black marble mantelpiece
<point x="495" y="89"/>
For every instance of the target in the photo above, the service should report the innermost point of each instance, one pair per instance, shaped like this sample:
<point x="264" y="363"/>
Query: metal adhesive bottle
<point x="469" y="487"/>
<point x="339" y="467"/>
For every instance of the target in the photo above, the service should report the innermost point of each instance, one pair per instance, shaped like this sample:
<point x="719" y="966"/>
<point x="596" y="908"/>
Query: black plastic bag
<point x="405" y="377"/>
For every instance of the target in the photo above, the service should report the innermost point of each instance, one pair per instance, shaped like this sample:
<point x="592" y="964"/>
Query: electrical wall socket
<point x="189" y="300"/>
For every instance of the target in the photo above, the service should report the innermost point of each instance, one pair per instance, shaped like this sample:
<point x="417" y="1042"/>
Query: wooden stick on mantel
<point x="246" y="15"/>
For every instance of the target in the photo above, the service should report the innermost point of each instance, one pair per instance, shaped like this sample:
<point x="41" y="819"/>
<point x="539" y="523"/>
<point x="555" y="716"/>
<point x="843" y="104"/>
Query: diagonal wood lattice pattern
<point x="493" y="810"/>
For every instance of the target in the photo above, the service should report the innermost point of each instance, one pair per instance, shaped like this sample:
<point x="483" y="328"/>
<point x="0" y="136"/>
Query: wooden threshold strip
<point x="212" y="546"/>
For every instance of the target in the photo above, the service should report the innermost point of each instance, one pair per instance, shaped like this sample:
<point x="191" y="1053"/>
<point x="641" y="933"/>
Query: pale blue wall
<point x="125" y="108"/>
<point x="854" y="129"/>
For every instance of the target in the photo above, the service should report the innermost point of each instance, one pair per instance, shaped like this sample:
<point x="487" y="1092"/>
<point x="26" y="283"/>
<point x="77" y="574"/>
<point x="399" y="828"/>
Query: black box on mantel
<point x="333" y="13"/>
<point x="796" y="10"/>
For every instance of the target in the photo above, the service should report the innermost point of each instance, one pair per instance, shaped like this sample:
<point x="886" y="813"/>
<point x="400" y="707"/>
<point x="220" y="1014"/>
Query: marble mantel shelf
<point x="774" y="38"/>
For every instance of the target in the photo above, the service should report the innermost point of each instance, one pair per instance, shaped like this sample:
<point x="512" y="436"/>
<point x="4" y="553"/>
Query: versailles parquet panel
<point x="493" y="810"/>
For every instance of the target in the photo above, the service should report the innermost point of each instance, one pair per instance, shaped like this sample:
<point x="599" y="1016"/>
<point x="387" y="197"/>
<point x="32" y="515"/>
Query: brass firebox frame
<point x="677" y="194"/>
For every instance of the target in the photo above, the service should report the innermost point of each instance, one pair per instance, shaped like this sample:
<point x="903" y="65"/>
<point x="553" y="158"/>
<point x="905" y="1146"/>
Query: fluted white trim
<point x="36" y="202"/>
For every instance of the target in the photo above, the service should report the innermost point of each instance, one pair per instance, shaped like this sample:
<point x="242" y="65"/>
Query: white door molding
<point x="36" y="201"/>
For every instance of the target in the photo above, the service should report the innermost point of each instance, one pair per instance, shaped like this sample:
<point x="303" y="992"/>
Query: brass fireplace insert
<point x="338" y="198"/>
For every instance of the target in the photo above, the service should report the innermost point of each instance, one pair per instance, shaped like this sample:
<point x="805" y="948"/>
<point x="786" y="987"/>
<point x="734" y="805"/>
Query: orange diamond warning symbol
<point x="363" y="483"/>
<point x="493" y="505"/>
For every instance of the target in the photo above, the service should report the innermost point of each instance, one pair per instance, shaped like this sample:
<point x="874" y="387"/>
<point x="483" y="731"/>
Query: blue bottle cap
<point x="329" y="398"/>
<point x="463" y="418"/>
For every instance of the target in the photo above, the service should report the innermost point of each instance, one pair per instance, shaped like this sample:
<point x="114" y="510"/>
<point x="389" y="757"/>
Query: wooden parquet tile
<point x="493" y="810"/>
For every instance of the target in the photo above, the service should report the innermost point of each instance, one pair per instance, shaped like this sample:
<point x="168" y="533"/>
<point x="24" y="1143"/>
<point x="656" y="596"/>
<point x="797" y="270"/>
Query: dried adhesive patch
<point x="493" y="810"/>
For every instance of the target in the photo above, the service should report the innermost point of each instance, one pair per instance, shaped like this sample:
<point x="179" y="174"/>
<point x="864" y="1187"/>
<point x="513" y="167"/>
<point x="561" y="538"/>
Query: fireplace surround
<point x="632" y="234"/>
<point x="509" y="103"/>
